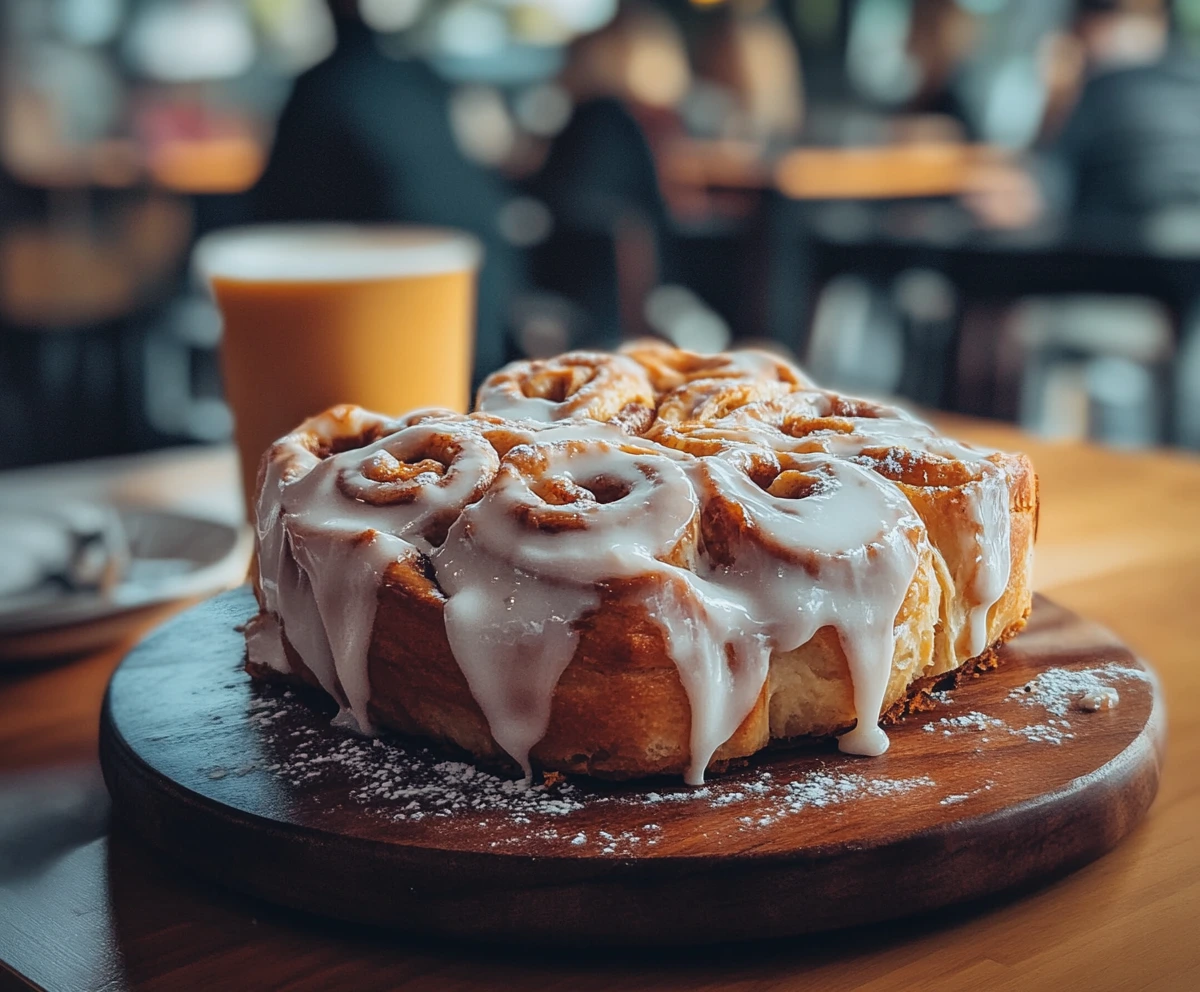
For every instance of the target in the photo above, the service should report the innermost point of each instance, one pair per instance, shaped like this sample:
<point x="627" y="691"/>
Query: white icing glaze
<point x="516" y="591"/>
<point x="979" y="559"/>
<point x="987" y="502"/>
<point x="981" y="563"/>
<point x="844" y="556"/>
<point x="529" y="549"/>
<point x="506" y="393"/>
<point x="285" y="591"/>
<point x="328" y="532"/>
<point x="520" y="572"/>
<point x="264" y="643"/>
<point x="504" y="404"/>
<point x="344" y="577"/>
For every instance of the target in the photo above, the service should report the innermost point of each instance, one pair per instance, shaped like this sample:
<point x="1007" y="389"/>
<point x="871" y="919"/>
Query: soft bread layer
<point x="944" y="513"/>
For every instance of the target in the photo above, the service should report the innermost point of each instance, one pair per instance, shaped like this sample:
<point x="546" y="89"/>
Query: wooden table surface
<point x="85" y="908"/>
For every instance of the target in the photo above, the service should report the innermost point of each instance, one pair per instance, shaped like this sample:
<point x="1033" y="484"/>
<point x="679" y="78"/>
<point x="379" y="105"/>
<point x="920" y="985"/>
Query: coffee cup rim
<point x="333" y="252"/>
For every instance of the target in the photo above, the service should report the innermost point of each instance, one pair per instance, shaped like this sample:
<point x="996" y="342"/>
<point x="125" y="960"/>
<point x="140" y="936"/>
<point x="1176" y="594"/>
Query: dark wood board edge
<point x="13" y="981"/>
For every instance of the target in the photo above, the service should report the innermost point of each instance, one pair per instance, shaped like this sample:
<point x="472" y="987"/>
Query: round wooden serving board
<point x="997" y="786"/>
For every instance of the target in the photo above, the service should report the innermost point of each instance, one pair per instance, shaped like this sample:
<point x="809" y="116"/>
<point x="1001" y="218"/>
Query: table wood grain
<point x="82" y="908"/>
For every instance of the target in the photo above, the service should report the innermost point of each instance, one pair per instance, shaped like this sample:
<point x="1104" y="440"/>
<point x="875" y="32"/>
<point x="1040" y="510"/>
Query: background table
<point x="85" y="908"/>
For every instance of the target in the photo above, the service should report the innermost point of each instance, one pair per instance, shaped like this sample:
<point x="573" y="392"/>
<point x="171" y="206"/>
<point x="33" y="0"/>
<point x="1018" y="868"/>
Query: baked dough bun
<point x="670" y="571"/>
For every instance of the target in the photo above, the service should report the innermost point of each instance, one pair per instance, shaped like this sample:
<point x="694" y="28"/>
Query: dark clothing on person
<point x="599" y="168"/>
<point x="948" y="102"/>
<point x="598" y="176"/>
<point x="1132" y="145"/>
<point x="366" y="138"/>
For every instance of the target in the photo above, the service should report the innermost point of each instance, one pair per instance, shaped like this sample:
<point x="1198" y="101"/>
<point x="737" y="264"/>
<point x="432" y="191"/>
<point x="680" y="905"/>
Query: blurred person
<point x="943" y="35"/>
<point x="610" y="243"/>
<point x="1004" y="195"/>
<point x="638" y="61"/>
<point x="1062" y="68"/>
<point x="367" y="138"/>
<point x="751" y="55"/>
<point x="1131" y="145"/>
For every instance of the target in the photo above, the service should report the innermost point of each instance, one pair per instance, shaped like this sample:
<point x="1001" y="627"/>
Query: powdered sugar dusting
<point x="1051" y="732"/>
<point x="967" y="721"/>
<point x="409" y="784"/>
<point x="413" y="783"/>
<point x="398" y="783"/>
<point x="1060" y="690"/>
<point x="821" y="788"/>
<point x="961" y="797"/>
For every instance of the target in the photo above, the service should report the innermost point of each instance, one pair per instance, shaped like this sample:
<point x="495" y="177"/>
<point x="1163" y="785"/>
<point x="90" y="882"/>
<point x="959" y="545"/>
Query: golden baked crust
<point x="619" y="709"/>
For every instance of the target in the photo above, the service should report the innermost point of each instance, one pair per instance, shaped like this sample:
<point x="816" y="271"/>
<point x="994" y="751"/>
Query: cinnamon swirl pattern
<point x="635" y="564"/>
<point x="586" y="384"/>
<point x="332" y="516"/>
<point x="669" y="368"/>
<point x="523" y="565"/>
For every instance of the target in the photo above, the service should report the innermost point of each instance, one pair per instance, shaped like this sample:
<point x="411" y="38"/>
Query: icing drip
<point x="330" y="528"/>
<point x="722" y="655"/>
<point x="344" y="578"/>
<point x="987" y="501"/>
<point x="285" y="591"/>
<point x="264" y="643"/>
<point x="825" y="544"/>
<point x="522" y="565"/>
<point x="978" y="556"/>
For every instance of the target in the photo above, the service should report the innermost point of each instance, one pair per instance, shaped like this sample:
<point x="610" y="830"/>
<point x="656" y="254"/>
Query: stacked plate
<point x="77" y="576"/>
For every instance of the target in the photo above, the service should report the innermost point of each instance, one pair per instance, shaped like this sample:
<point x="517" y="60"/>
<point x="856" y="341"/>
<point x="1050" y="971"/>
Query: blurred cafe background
<point x="984" y="206"/>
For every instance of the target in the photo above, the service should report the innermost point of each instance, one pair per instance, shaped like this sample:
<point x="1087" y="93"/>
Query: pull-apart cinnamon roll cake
<point x="637" y="564"/>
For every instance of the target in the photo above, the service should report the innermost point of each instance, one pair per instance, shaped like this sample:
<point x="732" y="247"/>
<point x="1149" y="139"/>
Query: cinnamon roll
<point x="536" y="586"/>
<point x="707" y="400"/>
<point x="342" y="500"/>
<point x="809" y="543"/>
<point x="588" y="384"/>
<point x="526" y="563"/>
<point x="669" y="368"/>
<point x="979" y="507"/>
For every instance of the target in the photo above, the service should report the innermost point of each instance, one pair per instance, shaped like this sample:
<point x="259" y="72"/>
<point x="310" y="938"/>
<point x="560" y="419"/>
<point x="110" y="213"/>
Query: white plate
<point x="172" y="557"/>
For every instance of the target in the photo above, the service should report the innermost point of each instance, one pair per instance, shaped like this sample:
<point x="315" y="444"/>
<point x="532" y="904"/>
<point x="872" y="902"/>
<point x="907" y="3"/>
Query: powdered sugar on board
<point x="1052" y="731"/>
<point x="398" y="783"/>
<point x="408" y="784"/>
<point x="1060" y="690"/>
